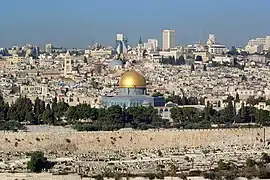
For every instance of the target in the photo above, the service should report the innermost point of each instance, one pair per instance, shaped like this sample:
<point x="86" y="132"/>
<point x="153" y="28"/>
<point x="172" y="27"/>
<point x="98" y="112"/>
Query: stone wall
<point x="46" y="176"/>
<point x="83" y="142"/>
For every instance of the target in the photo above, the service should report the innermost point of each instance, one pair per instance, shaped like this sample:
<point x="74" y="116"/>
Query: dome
<point x="132" y="79"/>
<point x="115" y="63"/>
<point x="146" y="103"/>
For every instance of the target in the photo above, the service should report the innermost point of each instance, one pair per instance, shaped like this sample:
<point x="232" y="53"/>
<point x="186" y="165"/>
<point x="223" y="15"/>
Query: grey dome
<point x="115" y="62"/>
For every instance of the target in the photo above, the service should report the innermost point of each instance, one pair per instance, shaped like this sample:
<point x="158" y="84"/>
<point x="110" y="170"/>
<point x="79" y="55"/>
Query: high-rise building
<point x="152" y="44"/>
<point x="168" y="38"/>
<point x="120" y="37"/>
<point x="48" y="48"/>
<point x="36" y="52"/>
<point x="121" y="44"/>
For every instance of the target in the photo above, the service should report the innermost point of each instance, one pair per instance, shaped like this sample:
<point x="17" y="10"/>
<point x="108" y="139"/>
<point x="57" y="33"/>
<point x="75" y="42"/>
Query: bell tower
<point x="67" y="64"/>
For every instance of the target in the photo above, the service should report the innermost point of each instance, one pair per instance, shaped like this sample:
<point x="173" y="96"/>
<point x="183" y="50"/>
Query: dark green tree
<point x="157" y="94"/>
<point x="204" y="67"/>
<point x="82" y="111"/>
<point x="262" y="117"/>
<point x="54" y="104"/>
<point x="202" y="101"/>
<point x="246" y="114"/>
<point x="11" y="125"/>
<point x="143" y="117"/>
<point x="37" y="110"/>
<point x="85" y="60"/>
<point x="251" y="101"/>
<point x="114" y="118"/>
<point x="60" y="109"/>
<point x="192" y="68"/>
<point x="3" y="108"/>
<point x="186" y="115"/>
<point x="42" y="107"/>
<point x="237" y="98"/>
<point x="22" y="107"/>
<point x="181" y="60"/>
<point x="229" y="112"/>
<point x="207" y="111"/>
<point x="37" y="162"/>
<point x="47" y="115"/>
<point x="29" y="117"/>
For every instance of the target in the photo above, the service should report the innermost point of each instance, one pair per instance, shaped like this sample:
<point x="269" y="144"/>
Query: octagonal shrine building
<point x="132" y="93"/>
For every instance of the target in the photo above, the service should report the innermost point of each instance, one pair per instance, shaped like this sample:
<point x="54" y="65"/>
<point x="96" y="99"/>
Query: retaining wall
<point x="83" y="142"/>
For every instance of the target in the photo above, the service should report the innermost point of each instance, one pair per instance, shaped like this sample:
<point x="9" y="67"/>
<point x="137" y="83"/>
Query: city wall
<point x="84" y="142"/>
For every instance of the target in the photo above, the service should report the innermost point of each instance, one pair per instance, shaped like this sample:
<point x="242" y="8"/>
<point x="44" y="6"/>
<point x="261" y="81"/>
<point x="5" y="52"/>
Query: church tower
<point x="140" y="49"/>
<point x="67" y="64"/>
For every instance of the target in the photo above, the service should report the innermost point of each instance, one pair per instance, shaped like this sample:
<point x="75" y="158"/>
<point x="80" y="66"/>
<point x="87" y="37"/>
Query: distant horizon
<point x="62" y="23"/>
<point x="144" y="40"/>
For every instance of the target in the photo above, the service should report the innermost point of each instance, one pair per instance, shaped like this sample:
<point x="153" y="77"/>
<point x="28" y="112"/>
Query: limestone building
<point x="115" y="64"/>
<point x="132" y="93"/>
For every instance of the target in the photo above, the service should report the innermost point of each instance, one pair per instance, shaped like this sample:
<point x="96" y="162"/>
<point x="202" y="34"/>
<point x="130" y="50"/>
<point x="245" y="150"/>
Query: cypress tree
<point x="192" y="68"/>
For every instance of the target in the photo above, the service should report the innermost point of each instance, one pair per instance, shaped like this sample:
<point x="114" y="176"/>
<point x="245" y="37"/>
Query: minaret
<point x="67" y="64"/>
<point x="140" y="49"/>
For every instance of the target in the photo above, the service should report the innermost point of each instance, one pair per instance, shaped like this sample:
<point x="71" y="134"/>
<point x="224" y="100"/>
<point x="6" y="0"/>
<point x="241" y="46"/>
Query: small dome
<point x="171" y="104"/>
<point x="115" y="62"/>
<point x="132" y="79"/>
<point x="146" y="103"/>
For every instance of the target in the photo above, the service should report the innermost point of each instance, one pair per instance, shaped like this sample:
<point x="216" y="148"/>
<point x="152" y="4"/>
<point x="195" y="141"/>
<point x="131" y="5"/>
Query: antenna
<point x="200" y="36"/>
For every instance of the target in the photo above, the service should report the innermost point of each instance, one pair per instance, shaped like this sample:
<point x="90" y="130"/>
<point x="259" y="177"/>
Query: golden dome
<point x="132" y="79"/>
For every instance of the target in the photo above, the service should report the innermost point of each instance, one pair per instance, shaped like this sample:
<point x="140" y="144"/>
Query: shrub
<point x="263" y="173"/>
<point x="265" y="157"/>
<point x="195" y="173"/>
<point x="205" y="151"/>
<point x="160" y="153"/>
<point x="68" y="140"/>
<point x="224" y="166"/>
<point x="187" y="158"/>
<point x="11" y="125"/>
<point x="37" y="162"/>
<point x="211" y="175"/>
<point x="99" y="177"/>
<point x="37" y="139"/>
<point x="250" y="162"/>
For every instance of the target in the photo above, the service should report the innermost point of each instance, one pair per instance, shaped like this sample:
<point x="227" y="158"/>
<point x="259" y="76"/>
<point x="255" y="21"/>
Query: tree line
<point x="60" y="113"/>
<point x="83" y="117"/>
<point x="193" y="118"/>
<point x="23" y="110"/>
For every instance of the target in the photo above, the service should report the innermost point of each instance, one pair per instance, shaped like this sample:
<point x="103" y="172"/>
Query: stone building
<point x="115" y="64"/>
<point x="35" y="90"/>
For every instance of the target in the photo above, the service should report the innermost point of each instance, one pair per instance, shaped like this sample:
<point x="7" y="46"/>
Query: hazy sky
<point x="76" y="23"/>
